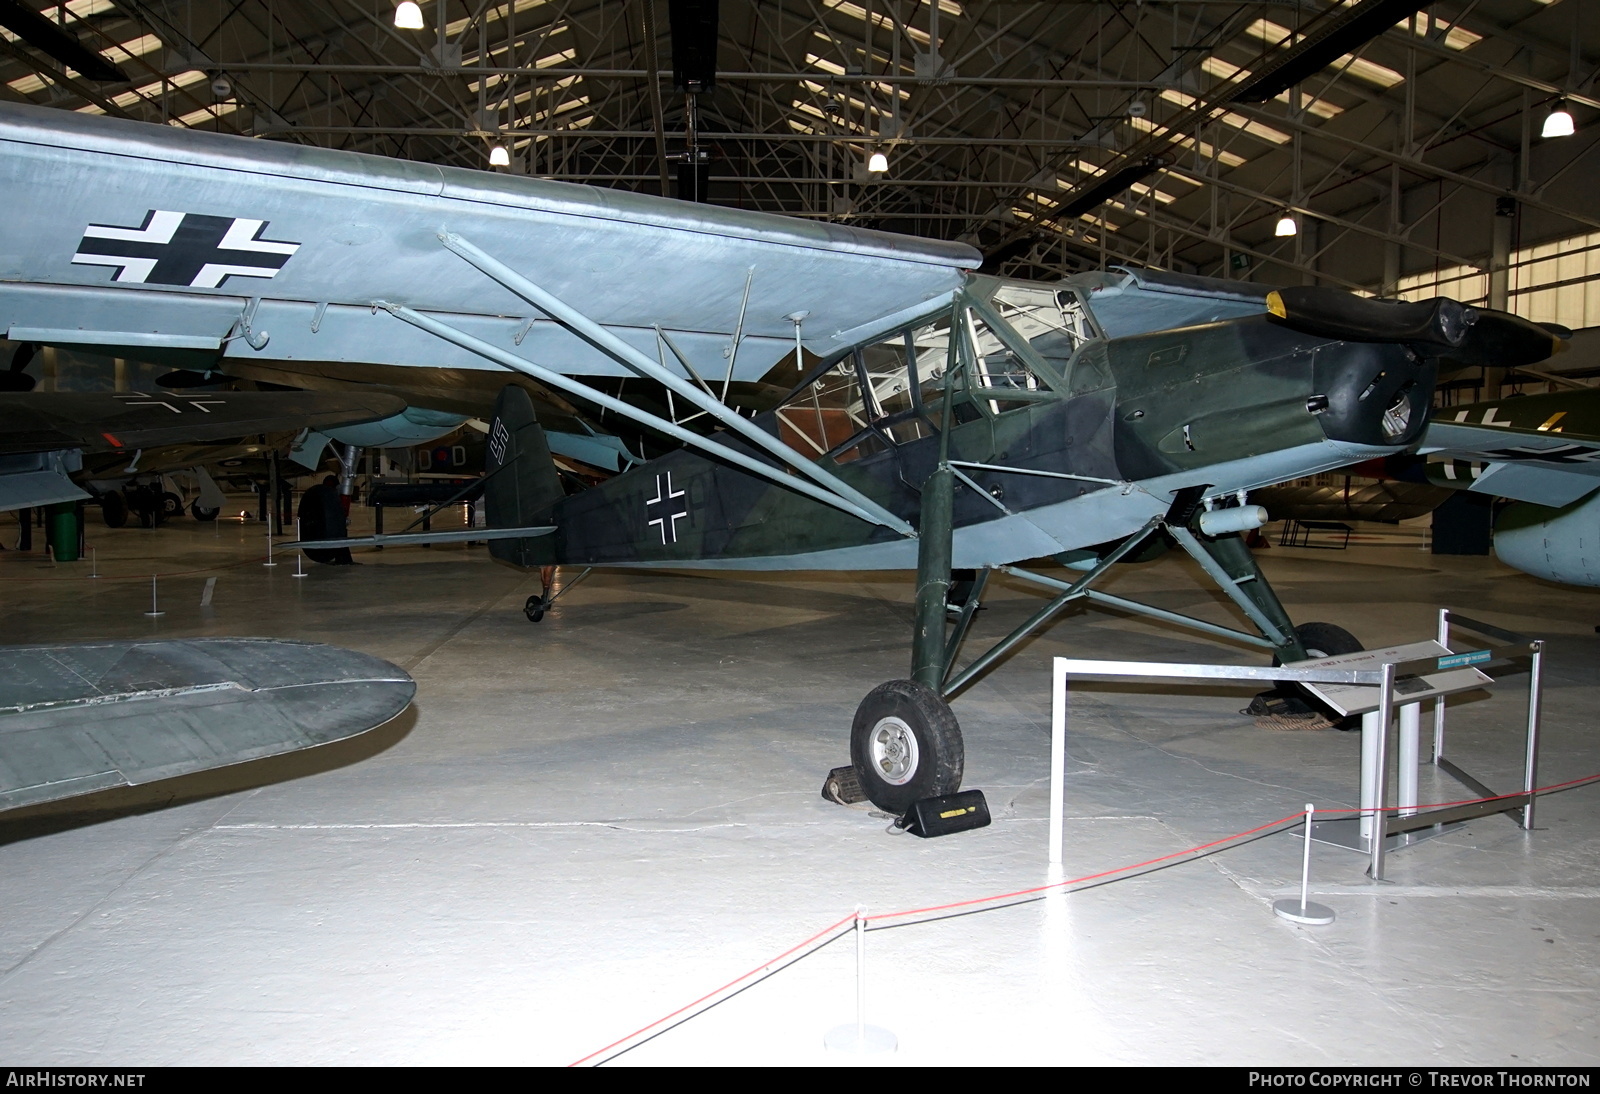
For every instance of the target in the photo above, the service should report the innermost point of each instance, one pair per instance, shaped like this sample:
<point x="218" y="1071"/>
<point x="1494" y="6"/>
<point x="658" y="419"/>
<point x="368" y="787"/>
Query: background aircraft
<point x="1543" y="452"/>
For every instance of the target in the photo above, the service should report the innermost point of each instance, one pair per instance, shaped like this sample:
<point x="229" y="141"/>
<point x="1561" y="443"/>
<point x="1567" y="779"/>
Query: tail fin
<point x="529" y="487"/>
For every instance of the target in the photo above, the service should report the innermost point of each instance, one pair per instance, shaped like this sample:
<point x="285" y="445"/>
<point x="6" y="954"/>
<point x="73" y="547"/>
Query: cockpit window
<point x="1054" y="321"/>
<point x="876" y="395"/>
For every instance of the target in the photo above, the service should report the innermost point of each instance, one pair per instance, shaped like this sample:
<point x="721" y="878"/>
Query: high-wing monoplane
<point x="818" y="395"/>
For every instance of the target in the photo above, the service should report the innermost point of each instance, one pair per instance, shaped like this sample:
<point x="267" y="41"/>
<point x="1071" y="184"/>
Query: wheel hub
<point x="893" y="750"/>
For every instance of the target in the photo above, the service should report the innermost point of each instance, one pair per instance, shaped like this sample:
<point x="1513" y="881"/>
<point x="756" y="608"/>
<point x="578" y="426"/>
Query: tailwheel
<point x="535" y="607"/>
<point x="905" y="745"/>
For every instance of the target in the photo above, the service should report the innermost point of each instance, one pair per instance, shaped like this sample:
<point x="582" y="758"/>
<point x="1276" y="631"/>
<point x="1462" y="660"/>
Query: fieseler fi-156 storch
<point x="840" y="398"/>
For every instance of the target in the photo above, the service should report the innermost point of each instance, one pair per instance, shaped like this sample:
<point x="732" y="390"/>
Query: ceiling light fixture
<point x="1558" y="123"/>
<point x="408" y="16"/>
<point x="499" y="157"/>
<point x="878" y="163"/>
<point x="1286" y="225"/>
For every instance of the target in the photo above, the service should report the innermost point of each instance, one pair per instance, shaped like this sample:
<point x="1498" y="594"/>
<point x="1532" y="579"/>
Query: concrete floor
<point x="584" y="824"/>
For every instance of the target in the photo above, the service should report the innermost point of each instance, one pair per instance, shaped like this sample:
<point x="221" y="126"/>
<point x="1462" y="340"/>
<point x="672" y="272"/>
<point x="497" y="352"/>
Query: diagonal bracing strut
<point x="641" y="365"/>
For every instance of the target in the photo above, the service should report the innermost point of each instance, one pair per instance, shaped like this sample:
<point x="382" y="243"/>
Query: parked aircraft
<point x="1543" y="452"/>
<point x="839" y="398"/>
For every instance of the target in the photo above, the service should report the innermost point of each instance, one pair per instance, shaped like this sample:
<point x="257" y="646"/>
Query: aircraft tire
<point x="200" y="513"/>
<point x="113" y="508"/>
<point x="534" y="608"/>
<point x="171" y="505"/>
<point x="1327" y="640"/>
<point x="905" y="745"/>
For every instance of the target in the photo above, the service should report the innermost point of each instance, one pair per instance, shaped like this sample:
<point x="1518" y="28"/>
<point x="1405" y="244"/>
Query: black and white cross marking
<point x="667" y="521"/>
<point x="178" y="404"/>
<point x="189" y="249"/>
<point x="1561" y="453"/>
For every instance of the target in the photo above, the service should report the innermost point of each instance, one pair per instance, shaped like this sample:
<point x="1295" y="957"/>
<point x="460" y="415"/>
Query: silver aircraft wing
<point x="1543" y="449"/>
<point x="144" y="236"/>
<point x="76" y="718"/>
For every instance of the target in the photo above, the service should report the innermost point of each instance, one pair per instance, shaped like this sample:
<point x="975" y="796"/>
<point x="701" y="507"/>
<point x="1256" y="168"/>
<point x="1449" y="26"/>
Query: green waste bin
<point x="63" y="531"/>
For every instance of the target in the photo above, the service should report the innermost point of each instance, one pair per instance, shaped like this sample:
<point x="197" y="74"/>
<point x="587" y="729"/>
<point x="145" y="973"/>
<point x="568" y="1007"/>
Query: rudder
<point x="528" y="488"/>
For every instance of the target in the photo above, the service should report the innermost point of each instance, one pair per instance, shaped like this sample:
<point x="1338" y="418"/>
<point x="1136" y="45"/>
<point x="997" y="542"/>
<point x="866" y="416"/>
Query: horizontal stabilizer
<point x="80" y="717"/>
<point x="464" y="535"/>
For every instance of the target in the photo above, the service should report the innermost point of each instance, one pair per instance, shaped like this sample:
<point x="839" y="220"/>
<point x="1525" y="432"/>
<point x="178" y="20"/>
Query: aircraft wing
<point x="1538" y="448"/>
<point x="77" y="718"/>
<point x="35" y="421"/>
<point x="158" y="239"/>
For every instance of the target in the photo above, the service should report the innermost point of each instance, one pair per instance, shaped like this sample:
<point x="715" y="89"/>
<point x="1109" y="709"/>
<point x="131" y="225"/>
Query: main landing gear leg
<point x="905" y="743"/>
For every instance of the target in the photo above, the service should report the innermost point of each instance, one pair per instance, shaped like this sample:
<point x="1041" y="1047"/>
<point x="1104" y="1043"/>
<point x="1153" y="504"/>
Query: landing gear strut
<point x="905" y="743"/>
<point x="537" y="605"/>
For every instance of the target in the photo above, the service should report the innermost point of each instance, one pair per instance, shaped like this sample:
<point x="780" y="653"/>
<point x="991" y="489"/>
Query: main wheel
<point x="1325" y="640"/>
<point x="199" y="512"/>
<point x="114" y="508"/>
<point x="905" y="745"/>
<point x="171" y="505"/>
<point x="1295" y="700"/>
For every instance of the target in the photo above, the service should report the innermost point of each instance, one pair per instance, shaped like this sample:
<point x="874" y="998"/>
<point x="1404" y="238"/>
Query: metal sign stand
<point x="1372" y="683"/>
<point x="1407" y="825"/>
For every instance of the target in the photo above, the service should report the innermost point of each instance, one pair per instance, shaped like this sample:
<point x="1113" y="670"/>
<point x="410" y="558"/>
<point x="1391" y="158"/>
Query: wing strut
<point x="641" y="365"/>
<point x="599" y="398"/>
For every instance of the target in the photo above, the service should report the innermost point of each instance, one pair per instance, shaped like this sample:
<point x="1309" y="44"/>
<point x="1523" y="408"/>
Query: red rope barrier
<point x="716" y="991"/>
<point x="932" y="908"/>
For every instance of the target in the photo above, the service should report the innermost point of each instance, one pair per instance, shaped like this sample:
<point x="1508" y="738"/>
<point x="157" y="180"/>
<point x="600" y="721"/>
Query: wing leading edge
<point x="133" y="234"/>
<point x="83" y="717"/>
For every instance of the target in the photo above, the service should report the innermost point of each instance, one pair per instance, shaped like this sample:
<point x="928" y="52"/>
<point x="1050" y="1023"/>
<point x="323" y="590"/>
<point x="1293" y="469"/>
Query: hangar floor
<point x="587" y="823"/>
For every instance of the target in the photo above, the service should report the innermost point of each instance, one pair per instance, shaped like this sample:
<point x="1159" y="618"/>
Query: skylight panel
<point x="144" y="91"/>
<point x="1145" y="190"/>
<point x="1359" y="67"/>
<point x="1256" y="129"/>
<point x="856" y="11"/>
<point x="557" y="85"/>
<point x="26" y="85"/>
<point x="494" y="14"/>
<point x="1224" y="70"/>
<point x="1428" y="25"/>
<point x="1205" y="148"/>
<point x="205" y="114"/>
<point x="127" y="51"/>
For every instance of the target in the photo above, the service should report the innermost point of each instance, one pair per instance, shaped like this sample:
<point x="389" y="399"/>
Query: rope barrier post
<point x="1302" y="910"/>
<point x="858" y="1037"/>
<point x="1385" y="712"/>
<point x="155" y="609"/>
<point x="1058" y="758"/>
<point x="1438" y="704"/>
<point x="299" y="556"/>
<point x="1530" y="759"/>
<point x="94" y="563"/>
<point x="269" y="561"/>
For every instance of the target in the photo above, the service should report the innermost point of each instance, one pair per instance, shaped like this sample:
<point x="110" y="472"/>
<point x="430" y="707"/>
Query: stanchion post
<point x="861" y="976"/>
<point x="269" y="561"/>
<point x="1381" y="748"/>
<point x="94" y="563"/>
<point x="299" y="556"/>
<point x="155" y="609"/>
<point x="858" y="1037"/>
<point x="1530" y="759"/>
<point x="1058" y="757"/>
<point x="1303" y="911"/>
<point x="1438" y="704"/>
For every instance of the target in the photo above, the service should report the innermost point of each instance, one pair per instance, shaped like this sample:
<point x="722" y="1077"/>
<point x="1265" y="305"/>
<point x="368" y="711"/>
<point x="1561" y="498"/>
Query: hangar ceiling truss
<point x="1054" y="135"/>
